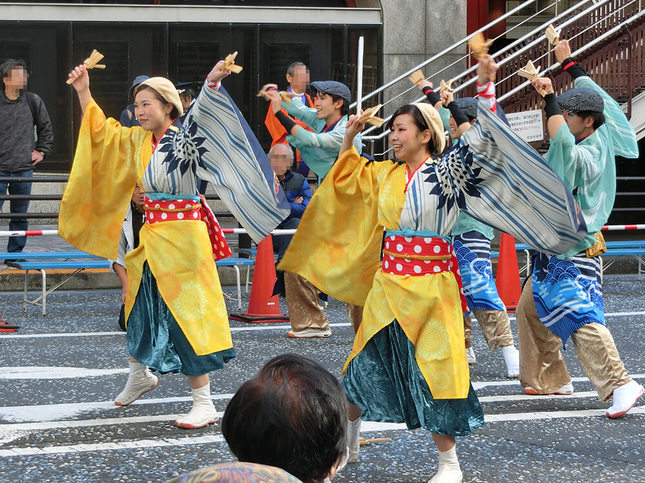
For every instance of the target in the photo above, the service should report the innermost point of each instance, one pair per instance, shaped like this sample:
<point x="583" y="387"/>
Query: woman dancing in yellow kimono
<point x="175" y="310"/>
<point x="408" y="363"/>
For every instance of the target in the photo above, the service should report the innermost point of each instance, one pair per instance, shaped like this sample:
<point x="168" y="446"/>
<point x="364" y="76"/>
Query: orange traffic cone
<point x="7" y="327"/>
<point x="508" y="283"/>
<point x="263" y="305"/>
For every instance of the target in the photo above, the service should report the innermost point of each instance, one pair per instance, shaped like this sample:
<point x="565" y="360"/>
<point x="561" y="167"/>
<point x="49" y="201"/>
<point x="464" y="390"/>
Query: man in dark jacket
<point x="20" y="150"/>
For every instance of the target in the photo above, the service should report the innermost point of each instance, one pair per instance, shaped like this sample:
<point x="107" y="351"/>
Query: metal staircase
<point x="607" y="39"/>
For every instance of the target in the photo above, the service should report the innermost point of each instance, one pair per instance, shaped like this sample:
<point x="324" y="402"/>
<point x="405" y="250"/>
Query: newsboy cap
<point x="468" y="106"/>
<point x="333" y="88"/>
<point x="581" y="99"/>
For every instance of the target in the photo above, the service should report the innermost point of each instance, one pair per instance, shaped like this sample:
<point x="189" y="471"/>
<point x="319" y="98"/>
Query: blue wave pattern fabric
<point x="473" y="254"/>
<point x="567" y="293"/>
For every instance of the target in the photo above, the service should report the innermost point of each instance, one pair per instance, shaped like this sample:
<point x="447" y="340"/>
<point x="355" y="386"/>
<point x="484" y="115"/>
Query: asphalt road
<point x="60" y="373"/>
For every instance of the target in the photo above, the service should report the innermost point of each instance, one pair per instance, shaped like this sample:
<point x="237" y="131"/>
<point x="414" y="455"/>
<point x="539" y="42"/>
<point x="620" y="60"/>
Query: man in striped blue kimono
<point x="564" y="296"/>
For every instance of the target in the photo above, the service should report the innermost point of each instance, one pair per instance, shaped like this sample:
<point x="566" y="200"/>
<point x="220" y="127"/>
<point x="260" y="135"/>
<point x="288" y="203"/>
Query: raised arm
<point x="81" y="85"/>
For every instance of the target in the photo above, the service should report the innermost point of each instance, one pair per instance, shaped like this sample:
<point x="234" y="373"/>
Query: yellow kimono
<point x="366" y="198"/>
<point x="212" y="146"/>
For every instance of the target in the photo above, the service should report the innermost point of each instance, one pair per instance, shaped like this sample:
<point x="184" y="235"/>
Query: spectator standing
<point x="20" y="112"/>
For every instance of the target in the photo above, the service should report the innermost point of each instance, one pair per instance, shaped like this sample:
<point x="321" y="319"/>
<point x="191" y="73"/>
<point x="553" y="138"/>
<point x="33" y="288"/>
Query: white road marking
<point x="66" y="411"/>
<point x="58" y="412"/>
<point x="515" y="382"/>
<point x="44" y="372"/>
<point x="84" y="448"/>
<point x="366" y="427"/>
<point x="251" y="328"/>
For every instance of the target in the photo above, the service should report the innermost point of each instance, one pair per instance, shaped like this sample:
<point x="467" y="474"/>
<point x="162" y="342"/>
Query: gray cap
<point x="468" y="106"/>
<point x="581" y="99"/>
<point x="333" y="88"/>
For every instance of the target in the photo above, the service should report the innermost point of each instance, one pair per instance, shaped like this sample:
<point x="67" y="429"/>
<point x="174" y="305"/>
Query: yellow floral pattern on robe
<point x="337" y="248"/>
<point x="109" y="161"/>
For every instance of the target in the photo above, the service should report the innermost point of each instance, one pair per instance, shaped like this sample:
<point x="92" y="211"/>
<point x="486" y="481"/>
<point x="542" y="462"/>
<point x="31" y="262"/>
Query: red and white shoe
<point x="565" y="390"/>
<point x="140" y="381"/>
<point x="202" y="413"/>
<point x="624" y="399"/>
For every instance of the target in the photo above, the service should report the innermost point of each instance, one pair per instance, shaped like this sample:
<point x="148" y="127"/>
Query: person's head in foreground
<point x="292" y="415"/>
<point x="416" y="131"/>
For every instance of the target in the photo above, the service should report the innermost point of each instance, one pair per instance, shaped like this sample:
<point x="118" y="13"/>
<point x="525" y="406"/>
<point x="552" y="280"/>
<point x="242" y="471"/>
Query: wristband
<point x="551" y="108"/>
<point x="572" y="68"/>
<point x="457" y="114"/>
<point x="286" y="121"/>
<point x="431" y="95"/>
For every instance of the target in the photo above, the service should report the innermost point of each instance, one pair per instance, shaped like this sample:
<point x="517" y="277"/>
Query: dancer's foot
<point x="353" y="439"/>
<point x="140" y="381"/>
<point x="309" y="333"/>
<point x="449" y="470"/>
<point x="512" y="360"/>
<point x="203" y="411"/>
<point x="624" y="398"/>
<point x="447" y="475"/>
<point x="470" y="356"/>
<point x="565" y="390"/>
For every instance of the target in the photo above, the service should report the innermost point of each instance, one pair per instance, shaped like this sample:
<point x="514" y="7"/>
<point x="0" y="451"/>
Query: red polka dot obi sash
<point x="177" y="210"/>
<point x="418" y="256"/>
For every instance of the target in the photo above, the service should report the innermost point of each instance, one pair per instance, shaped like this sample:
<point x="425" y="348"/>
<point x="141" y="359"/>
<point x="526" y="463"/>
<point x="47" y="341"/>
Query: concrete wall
<point x="413" y="31"/>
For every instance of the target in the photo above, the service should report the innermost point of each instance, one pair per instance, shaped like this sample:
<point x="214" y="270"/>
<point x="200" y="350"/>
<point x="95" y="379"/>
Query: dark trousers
<point x="17" y="243"/>
<point x="281" y="242"/>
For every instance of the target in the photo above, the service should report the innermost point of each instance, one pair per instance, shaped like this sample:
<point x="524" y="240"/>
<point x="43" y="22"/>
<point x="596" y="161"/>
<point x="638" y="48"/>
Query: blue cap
<point x="333" y="88"/>
<point x="581" y="99"/>
<point x="137" y="80"/>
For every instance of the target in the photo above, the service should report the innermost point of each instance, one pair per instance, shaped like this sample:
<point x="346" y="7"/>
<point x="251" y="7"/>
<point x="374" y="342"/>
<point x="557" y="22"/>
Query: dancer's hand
<point x="352" y="128"/>
<point x="423" y="84"/>
<point x="82" y="81"/>
<point x="447" y="97"/>
<point x="218" y="73"/>
<point x="274" y="96"/>
<point x="487" y="70"/>
<point x="543" y="85"/>
<point x="562" y="51"/>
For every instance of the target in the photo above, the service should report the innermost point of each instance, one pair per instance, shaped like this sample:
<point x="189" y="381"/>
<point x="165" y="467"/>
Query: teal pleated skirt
<point x="385" y="381"/>
<point x="155" y="339"/>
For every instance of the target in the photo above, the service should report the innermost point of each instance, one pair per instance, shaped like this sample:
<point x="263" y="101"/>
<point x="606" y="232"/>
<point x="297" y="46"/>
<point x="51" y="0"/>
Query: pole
<point x="359" y="75"/>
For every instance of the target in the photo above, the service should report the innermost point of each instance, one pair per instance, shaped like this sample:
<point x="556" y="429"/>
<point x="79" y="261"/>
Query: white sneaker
<point x="203" y="411"/>
<point x="624" y="398"/>
<point x="470" y="356"/>
<point x="309" y="333"/>
<point x="512" y="360"/>
<point x="447" y="474"/>
<point x="140" y="381"/>
<point x="353" y="439"/>
<point x="565" y="390"/>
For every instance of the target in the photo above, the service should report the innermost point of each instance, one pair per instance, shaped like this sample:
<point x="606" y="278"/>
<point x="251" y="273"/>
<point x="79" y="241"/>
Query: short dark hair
<point x="7" y="66"/>
<point x="292" y="415"/>
<point x="344" y="108"/>
<point x="293" y="65"/>
<point x="598" y="117"/>
<point x="417" y="118"/>
<point x="174" y="114"/>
